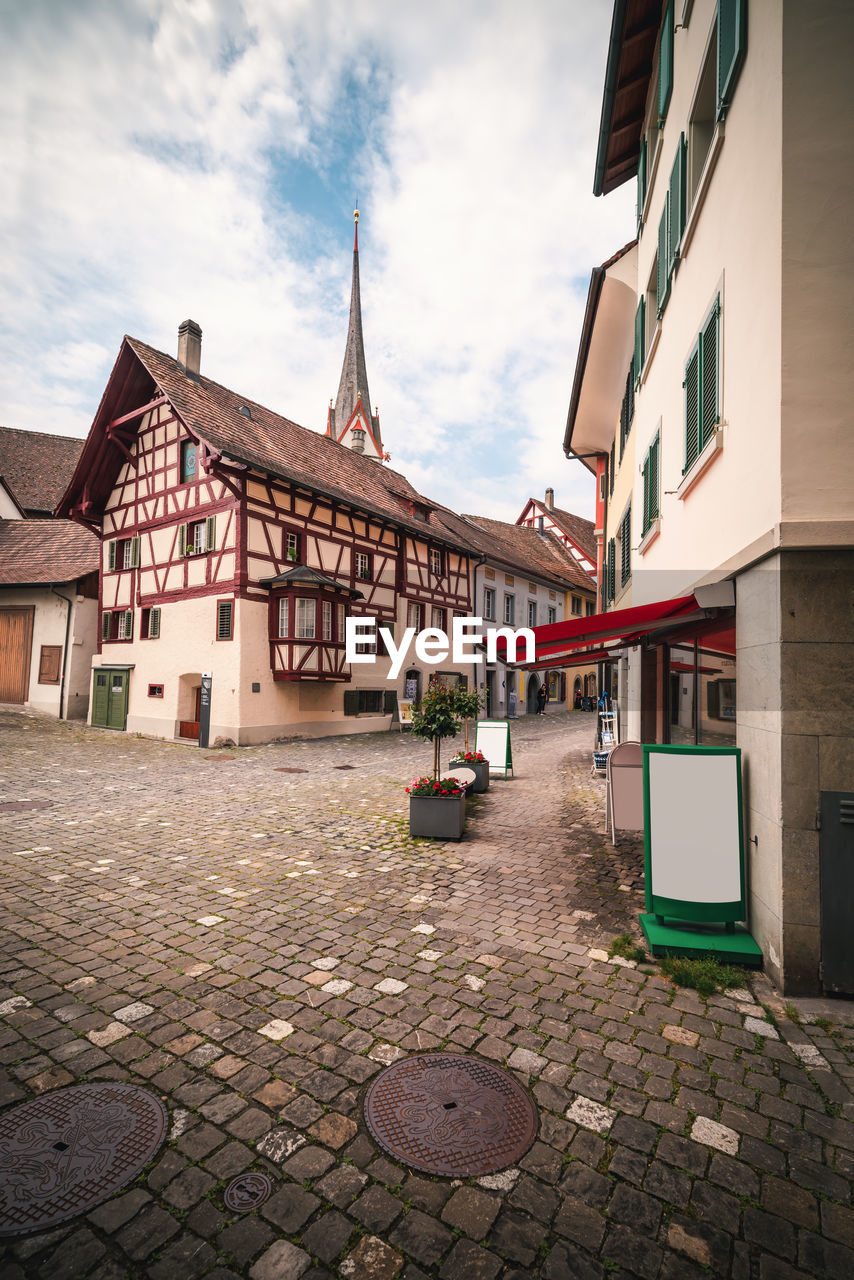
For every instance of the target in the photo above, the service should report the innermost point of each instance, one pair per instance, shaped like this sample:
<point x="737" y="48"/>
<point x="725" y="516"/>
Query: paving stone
<point x="244" y="1239"/>
<point x="516" y="1237"/>
<point x="342" y="1185"/>
<point x="636" y="1253"/>
<point x="147" y="1232"/>
<point x="376" y="1209"/>
<point x="372" y="1259"/>
<point x="421" y="1237"/>
<point x="327" y="1235"/>
<point x="591" y="1115"/>
<point x="564" y="1262"/>
<point x="471" y="1211"/>
<point x="468" y="1261"/>
<point x="334" y="1130"/>
<point x="116" y="1212"/>
<point x="282" y="1261"/>
<point x="712" y="1134"/>
<point x="310" y="1162"/>
<point x="580" y="1223"/>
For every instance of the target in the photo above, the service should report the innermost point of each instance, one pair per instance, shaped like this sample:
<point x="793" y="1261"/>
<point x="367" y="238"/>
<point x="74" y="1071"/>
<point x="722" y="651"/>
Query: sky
<point x="166" y="159"/>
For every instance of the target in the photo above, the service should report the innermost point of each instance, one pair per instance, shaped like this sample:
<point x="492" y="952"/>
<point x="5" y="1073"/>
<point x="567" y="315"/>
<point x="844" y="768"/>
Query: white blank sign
<point x="492" y="737"/>
<point x="694" y="828"/>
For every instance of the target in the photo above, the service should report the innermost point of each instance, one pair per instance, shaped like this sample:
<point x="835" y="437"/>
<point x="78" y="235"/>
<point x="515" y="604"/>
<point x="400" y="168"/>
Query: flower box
<point x="437" y="817"/>
<point x="480" y="769"/>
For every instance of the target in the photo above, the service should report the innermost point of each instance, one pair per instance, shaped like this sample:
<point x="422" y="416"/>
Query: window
<point x="702" y="120"/>
<point x="326" y="619"/>
<point x="359" y="702"/>
<point x="489" y="603"/>
<point x="123" y="553"/>
<point x="590" y="608"/>
<point x="732" y="45"/>
<point x="306" y="618"/>
<point x="150" y="624"/>
<point x="611" y="571"/>
<point x="340" y="617"/>
<point x="702" y="407"/>
<point x="437" y="618"/>
<point x="155" y="691"/>
<point x="363" y="566"/>
<point x="650" y="486"/>
<point x="292" y="547"/>
<point x="509" y="609"/>
<point x="665" y="64"/>
<point x="575" y="605"/>
<point x="188" y="461"/>
<point x="437" y="562"/>
<point x="117" y="624"/>
<point x="198" y="537"/>
<point x="532" y="613"/>
<point x="552" y="614"/>
<point x="224" y="619"/>
<point x="640" y="338"/>
<point x="627" y="409"/>
<point x="284" y="617"/>
<point x="625" y="537"/>
<point x="388" y="626"/>
<point x="50" y="662"/>
<point x="368" y="644"/>
<point x="671" y="227"/>
<point x="415" y="615"/>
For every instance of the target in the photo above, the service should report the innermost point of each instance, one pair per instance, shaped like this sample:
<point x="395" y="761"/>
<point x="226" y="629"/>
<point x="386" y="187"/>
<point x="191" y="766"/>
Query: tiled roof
<point x="576" y="528"/>
<point x="44" y="551"/>
<point x="37" y="466"/>
<point x="535" y="553"/>
<point x="281" y="447"/>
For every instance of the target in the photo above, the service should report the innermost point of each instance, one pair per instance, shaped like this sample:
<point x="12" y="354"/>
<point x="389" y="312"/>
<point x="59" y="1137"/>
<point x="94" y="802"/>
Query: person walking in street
<point x="542" y="699"/>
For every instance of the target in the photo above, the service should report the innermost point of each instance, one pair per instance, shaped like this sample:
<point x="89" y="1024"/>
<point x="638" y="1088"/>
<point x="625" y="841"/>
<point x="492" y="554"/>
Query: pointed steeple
<point x="351" y="421"/>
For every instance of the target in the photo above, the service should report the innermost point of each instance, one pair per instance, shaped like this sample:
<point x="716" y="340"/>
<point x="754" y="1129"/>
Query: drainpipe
<point x="478" y="565"/>
<point x="69" y="602"/>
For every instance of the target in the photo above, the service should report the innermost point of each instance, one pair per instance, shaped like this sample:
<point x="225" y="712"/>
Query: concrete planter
<point x="480" y="769"/>
<point x="437" y="817"/>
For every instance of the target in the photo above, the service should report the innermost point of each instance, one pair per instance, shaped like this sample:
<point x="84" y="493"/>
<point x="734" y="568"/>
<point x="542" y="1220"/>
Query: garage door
<point x="16" y="642"/>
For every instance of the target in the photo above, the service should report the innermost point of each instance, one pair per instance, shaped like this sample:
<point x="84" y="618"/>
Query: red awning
<point x="580" y="658"/>
<point x="560" y="639"/>
<point x="703" y="671"/>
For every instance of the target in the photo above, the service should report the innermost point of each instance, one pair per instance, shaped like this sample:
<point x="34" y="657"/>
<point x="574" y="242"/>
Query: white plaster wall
<point x="735" y="250"/>
<point x="48" y="628"/>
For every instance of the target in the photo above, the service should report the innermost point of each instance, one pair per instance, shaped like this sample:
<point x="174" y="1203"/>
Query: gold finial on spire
<point x="356" y="214"/>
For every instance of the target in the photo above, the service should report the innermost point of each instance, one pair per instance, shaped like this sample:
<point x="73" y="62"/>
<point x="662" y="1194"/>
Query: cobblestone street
<point x="252" y="935"/>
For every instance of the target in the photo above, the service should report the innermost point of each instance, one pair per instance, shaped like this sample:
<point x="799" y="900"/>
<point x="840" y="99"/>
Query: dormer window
<point x="188" y="461"/>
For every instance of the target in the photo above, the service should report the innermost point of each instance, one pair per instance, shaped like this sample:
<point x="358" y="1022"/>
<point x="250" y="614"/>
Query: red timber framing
<point x="450" y="588"/>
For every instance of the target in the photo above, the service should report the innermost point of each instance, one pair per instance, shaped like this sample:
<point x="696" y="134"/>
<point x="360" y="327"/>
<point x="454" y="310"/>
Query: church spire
<point x="351" y="421"/>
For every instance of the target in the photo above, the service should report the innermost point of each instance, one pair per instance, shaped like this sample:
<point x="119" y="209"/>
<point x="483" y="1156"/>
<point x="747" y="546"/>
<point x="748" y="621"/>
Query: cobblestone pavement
<point x="254" y="943"/>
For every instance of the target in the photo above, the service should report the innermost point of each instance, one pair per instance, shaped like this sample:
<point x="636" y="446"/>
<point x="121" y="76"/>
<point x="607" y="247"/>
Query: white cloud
<point x="147" y="179"/>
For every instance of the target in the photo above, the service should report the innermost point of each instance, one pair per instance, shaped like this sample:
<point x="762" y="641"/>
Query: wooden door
<point x="190" y="728"/>
<point x="117" y="714"/>
<point x="100" y="698"/>
<point x="16" y="643"/>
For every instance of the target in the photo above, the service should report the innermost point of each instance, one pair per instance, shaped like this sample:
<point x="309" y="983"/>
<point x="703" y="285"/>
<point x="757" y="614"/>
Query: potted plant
<point x="479" y="765"/>
<point x="436" y="717"/>
<point x="437" y="808"/>
<point x="467" y="704"/>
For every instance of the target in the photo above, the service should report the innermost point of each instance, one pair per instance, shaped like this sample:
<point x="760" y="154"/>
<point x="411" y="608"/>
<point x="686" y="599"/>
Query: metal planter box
<point x="437" y="817"/>
<point x="480" y="769"/>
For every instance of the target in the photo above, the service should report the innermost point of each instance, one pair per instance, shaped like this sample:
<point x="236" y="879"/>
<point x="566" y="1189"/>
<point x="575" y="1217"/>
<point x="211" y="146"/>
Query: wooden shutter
<point x="709" y="377"/>
<point x="210" y="533"/>
<point x="389" y="702"/>
<point x="653" y="507"/>
<point x="732" y="45"/>
<point x="134" y="552"/>
<point x="645" y="523"/>
<point x="128" y="624"/>
<point x="351" y="702"/>
<point x="692" y="406"/>
<point x="223" y="619"/>
<point x="182" y="539"/>
<point x="50" y="659"/>
<point x="154" y="624"/>
<point x="111" y="554"/>
<point x="662" y="276"/>
<point x="626" y="547"/>
<point x="105" y="626"/>
<point x="665" y="64"/>
<point x="676" y="207"/>
<point x="641" y="180"/>
<point x="611" y="571"/>
<point x="640" y="335"/>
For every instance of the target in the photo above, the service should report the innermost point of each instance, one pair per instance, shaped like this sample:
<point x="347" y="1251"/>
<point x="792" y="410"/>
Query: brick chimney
<point x="550" y="499"/>
<point x="190" y="346"/>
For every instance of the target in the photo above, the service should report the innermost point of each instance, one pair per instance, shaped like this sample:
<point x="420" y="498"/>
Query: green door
<point x="110" y="699"/>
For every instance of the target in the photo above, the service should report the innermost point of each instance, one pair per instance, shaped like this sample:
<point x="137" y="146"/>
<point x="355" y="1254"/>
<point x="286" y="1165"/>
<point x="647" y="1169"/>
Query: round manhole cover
<point x="292" y="771"/>
<point x="447" y="1114"/>
<point x="247" y="1191"/>
<point x="65" y="1153"/>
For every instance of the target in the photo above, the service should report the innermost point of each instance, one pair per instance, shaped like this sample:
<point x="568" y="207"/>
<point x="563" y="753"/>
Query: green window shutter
<point x="210" y="533"/>
<point x="652" y="506"/>
<point x="105" y="626"/>
<point x="182" y="539"/>
<point x="111" y="554"/>
<point x="611" y="466"/>
<point x="626" y="546"/>
<point x="630" y="393"/>
<point x="676" y="207"/>
<point x="692" y="407"/>
<point x="128" y="624"/>
<point x="662" y="275"/>
<point x="351" y="702"/>
<point x="732" y="46"/>
<point x="665" y="64"/>
<point x="389" y="702"/>
<point x="154" y="624"/>
<point x="640" y="334"/>
<point x="134" y="552"/>
<point x="641" y="180"/>
<point x="709" y="345"/>
<point x="612" y="569"/>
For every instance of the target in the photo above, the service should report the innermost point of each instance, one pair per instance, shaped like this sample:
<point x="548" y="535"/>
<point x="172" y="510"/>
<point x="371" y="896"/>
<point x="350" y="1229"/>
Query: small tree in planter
<point x="467" y="703"/>
<point x="436" y="717"/>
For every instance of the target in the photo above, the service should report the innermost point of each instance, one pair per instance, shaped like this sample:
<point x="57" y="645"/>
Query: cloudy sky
<point x="166" y="159"/>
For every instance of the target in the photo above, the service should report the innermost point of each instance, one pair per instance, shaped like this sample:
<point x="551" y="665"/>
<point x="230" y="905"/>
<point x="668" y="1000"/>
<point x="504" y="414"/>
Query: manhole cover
<point x="292" y="771"/>
<point x="247" y="1192"/>
<point x="66" y="1152"/>
<point x="343" y="766"/>
<point x="18" y="806"/>
<point x="452" y="1115"/>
